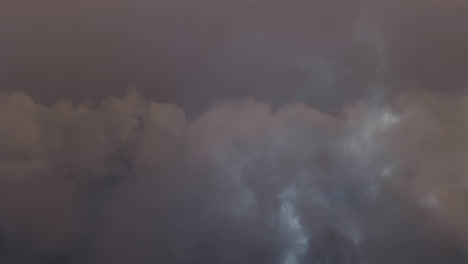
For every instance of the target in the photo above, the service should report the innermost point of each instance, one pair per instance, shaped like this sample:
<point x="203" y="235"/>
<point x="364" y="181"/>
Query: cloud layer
<point x="266" y="131"/>
<point x="130" y="180"/>
<point x="323" y="53"/>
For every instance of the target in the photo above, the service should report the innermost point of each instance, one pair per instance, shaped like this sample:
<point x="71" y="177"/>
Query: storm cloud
<point x="131" y="180"/>
<point x="276" y="132"/>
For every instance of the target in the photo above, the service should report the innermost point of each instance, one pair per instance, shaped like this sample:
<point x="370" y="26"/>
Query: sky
<point x="233" y="131"/>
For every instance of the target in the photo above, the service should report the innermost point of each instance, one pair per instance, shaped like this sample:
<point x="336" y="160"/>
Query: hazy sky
<point x="243" y="132"/>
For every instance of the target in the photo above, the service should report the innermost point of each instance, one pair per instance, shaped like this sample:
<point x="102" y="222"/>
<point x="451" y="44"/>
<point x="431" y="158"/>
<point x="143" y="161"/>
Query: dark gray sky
<point x="195" y="53"/>
<point x="243" y="132"/>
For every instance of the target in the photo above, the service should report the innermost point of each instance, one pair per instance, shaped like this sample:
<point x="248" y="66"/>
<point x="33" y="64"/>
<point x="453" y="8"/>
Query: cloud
<point x="130" y="180"/>
<point x="351" y="148"/>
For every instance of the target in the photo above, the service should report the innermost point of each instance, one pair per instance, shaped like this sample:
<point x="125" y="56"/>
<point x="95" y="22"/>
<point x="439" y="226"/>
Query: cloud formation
<point x="267" y="131"/>
<point x="131" y="180"/>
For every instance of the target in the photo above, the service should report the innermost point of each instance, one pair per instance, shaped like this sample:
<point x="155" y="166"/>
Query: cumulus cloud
<point x="350" y="149"/>
<point x="131" y="180"/>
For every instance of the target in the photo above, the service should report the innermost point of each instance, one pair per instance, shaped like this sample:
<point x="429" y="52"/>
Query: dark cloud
<point x="285" y="132"/>
<point x="133" y="180"/>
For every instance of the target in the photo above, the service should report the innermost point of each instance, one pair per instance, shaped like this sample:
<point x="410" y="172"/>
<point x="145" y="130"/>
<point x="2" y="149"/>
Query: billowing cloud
<point x="276" y="132"/>
<point x="131" y="180"/>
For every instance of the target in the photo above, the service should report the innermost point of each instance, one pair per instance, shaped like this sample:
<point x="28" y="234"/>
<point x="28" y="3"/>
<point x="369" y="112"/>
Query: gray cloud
<point x="133" y="180"/>
<point x="350" y="149"/>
